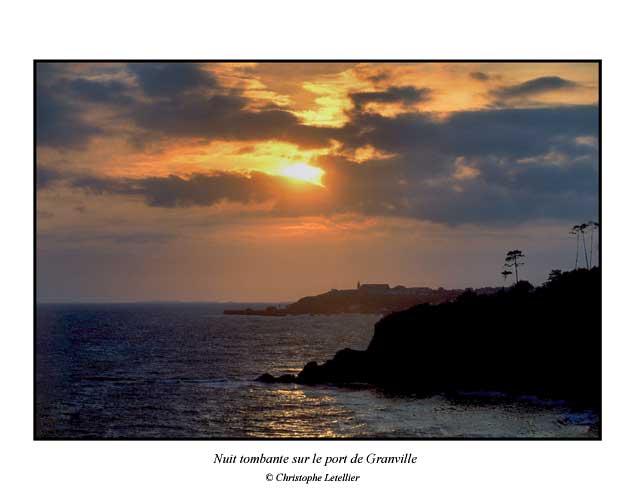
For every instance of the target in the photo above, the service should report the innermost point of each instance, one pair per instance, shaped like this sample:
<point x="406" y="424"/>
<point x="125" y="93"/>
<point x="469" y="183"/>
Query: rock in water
<point x="282" y="379"/>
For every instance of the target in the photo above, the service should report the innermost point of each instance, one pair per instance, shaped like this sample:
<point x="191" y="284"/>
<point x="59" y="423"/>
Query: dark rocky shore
<point x="543" y="341"/>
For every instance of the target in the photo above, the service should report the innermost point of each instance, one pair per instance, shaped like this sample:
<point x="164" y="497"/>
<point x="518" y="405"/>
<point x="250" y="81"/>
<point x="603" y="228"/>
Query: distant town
<point x="366" y="298"/>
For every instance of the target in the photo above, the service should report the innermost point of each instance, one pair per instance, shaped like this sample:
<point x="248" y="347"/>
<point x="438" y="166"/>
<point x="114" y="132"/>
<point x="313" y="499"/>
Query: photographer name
<point x="312" y="478"/>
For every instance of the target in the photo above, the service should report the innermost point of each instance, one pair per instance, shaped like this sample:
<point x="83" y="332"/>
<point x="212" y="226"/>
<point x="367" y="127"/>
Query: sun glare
<point x="303" y="172"/>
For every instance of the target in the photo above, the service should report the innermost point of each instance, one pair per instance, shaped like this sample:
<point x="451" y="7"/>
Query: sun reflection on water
<point x="294" y="412"/>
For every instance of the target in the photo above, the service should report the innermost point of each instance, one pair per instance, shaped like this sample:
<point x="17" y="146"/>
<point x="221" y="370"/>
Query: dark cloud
<point x="501" y="192"/>
<point x="378" y="77"/>
<point x="178" y="107"/>
<point x="102" y="185"/>
<point x="407" y="95"/>
<point x="45" y="176"/>
<point x="517" y="132"/>
<point x="103" y="92"/>
<point x="59" y="122"/>
<point x="526" y="164"/>
<point x="480" y="76"/>
<point x="196" y="190"/>
<point x="500" y="132"/>
<point x="206" y="190"/>
<point x="62" y="102"/>
<point x="226" y="117"/>
<point x="171" y="79"/>
<point x="533" y="87"/>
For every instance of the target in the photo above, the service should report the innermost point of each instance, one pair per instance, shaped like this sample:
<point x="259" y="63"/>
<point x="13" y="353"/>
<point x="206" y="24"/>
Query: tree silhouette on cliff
<point x="583" y="228"/>
<point x="513" y="260"/>
<point x="505" y="273"/>
<point x="576" y="231"/>
<point x="593" y="225"/>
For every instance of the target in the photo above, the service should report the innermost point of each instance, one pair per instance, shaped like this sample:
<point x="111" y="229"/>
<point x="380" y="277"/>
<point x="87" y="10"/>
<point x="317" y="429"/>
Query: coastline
<point x="465" y="345"/>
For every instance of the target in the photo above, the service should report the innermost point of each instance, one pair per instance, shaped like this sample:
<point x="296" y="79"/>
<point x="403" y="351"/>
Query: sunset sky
<point x="270" y="181"/>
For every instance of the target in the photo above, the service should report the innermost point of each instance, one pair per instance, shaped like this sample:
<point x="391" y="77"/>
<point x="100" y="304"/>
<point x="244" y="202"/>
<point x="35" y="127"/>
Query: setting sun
<point x="303" y="172"/>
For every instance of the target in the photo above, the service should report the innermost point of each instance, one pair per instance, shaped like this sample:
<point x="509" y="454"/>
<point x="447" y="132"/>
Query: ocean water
<point x="187" y="371"/>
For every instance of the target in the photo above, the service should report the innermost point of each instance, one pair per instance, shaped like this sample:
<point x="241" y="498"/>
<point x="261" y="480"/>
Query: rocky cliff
<point x="543" y="341"/>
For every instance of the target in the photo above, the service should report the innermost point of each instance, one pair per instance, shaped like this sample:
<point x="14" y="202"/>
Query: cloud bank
<point x="487" y="166"/>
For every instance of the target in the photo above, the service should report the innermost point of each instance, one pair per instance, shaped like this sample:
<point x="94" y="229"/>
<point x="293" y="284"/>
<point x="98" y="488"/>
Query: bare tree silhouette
<point x="593" y="225"/>
<point x="513" y="260"/>
<point x="576" y="230"/>
<point x="583" y="228"/>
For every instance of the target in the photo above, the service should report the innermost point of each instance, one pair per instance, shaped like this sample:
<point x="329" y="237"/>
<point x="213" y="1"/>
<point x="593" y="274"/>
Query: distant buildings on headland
<point x="374" y="298"/>
<point x="385" y="288"/>
<point x="417" y="290"/>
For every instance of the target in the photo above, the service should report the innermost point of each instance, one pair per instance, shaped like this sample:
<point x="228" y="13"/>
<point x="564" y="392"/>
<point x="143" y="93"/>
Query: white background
<point x="325" y="29"/>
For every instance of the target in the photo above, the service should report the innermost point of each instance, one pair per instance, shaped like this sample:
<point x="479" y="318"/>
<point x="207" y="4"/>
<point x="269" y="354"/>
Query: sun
<point x="303" y="172"/>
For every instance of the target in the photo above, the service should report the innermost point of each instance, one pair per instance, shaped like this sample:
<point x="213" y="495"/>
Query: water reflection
<point x="296" y="412"/>
<point x="182" y="371"/>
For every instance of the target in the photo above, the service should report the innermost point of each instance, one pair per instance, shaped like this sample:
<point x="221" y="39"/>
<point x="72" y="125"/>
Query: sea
<point x="186" y="371"/>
